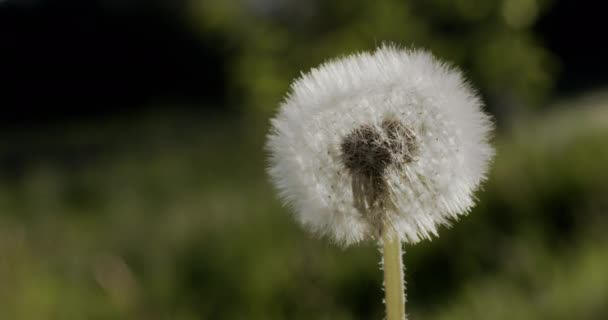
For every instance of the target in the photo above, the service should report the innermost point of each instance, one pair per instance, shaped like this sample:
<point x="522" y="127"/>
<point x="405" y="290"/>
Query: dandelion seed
<point x="385" y="146"/>
<point x="390" y="138"/>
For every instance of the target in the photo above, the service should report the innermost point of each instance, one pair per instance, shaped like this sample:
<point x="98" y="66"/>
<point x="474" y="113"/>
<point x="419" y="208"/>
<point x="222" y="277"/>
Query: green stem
<point x="394" y="288"/>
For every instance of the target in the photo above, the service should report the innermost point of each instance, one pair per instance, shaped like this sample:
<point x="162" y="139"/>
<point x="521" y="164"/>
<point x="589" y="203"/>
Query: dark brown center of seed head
<point x="369" y="151"/>
<point x="364" y="152"/>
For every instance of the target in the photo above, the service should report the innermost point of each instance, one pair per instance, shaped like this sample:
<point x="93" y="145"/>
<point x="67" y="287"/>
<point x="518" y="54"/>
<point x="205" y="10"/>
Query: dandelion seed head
<point x="388" y="139"/>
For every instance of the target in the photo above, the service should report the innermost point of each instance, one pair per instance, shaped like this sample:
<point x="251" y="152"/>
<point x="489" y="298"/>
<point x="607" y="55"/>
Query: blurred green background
<point x="140" y="192"/>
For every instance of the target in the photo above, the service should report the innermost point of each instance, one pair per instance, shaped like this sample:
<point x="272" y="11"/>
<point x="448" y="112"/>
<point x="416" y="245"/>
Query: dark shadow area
<point x="64" y="59"/>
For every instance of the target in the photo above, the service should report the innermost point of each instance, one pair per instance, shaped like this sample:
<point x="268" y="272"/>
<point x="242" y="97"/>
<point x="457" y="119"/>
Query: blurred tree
<point x="273" y="40"/>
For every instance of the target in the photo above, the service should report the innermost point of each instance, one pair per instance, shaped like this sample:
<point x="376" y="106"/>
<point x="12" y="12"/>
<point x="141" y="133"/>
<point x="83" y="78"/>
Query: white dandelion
<point x="389" y="144"/>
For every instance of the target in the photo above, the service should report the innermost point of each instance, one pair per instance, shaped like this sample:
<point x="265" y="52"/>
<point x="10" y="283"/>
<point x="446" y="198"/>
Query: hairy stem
<point x="394" y="287"/>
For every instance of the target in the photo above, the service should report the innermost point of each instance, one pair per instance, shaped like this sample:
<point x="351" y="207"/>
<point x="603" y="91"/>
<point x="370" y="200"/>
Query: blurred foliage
<point x="173" y="218"/>
<point x="170" y="215"/>
<point x="271" y="42"/>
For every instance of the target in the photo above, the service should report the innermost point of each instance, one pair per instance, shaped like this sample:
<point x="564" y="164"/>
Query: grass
<point x="170" y="216"/>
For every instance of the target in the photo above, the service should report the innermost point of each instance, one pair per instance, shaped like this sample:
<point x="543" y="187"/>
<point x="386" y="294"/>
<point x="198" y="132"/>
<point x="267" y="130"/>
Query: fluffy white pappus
<point x="392" y="138"/>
